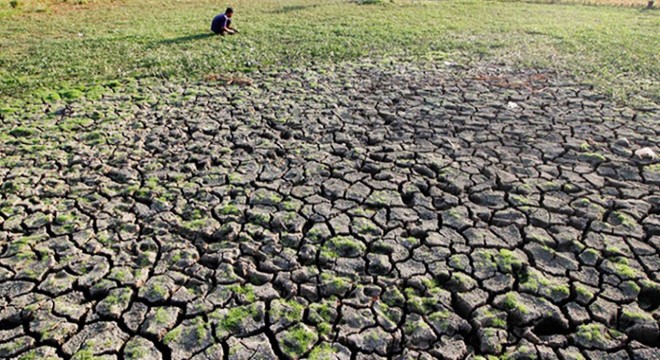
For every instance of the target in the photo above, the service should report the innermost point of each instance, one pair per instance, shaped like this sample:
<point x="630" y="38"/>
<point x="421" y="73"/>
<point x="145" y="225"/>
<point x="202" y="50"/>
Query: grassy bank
<point x="63" y="47"/>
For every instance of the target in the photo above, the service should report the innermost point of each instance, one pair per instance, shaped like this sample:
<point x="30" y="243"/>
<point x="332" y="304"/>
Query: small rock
<point x="646" y="153"/>
<point x="512" y="106"/>
<point x="623" y="142"/>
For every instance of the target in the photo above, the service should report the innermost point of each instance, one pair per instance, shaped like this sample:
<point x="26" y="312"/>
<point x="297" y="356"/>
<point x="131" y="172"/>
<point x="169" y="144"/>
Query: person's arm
<point x="229" y="27"/>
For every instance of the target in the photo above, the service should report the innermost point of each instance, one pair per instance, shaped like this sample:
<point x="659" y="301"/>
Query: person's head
<point x="229" y="12"/>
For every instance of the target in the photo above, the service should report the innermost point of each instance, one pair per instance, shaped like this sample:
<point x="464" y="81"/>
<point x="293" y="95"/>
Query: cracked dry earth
<point x="357" y="212"/>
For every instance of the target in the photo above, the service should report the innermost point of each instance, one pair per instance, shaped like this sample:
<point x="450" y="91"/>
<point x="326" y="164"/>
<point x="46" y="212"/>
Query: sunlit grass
<point x="632" y="3"/>
<point x="615" y="47"/>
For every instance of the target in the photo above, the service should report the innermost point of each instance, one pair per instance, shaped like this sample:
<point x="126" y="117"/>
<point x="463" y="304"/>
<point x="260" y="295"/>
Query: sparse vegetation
<point x="290" y="310"/>
<point x="322" y="352"/>
<point x="318" y="207"/>
<point x="512" y="302"/>
<point x="230" y="209"/>
<point x="594" y="332"/>
<point x="343" y="246"/>
<point x="298" y="340"/>
<point x="592" y="42"/>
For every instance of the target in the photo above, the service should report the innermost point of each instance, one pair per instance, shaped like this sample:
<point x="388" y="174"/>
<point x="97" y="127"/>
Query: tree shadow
<point x="187" y="38"/>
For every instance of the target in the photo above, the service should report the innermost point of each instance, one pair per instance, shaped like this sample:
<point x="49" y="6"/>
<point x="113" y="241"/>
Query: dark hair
<point x="229" y="11"/>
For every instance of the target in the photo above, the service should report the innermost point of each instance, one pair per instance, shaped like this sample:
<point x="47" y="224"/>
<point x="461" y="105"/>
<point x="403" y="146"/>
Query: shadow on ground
<point x="183" y="39"/>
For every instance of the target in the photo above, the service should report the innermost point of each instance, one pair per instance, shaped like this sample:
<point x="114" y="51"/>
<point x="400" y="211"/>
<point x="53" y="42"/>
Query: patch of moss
<point x="635" y="316"/>
<point x="623" y="219"/>
<point x="158" y="291"/>
<point x="94" y="138"/>
<point x="235" y="317"/>
<point x="592" y="332"/>
<point x="196" y="214"/>
<point x="592" y="157"/>
<point x="324" y="328"/>
<point x="71" y="94"/>
<point x="592" y="253"/>
<point x="459" y="261"/>
<point x="275" y="199"/>
<point x="419" y="304"/>
<point x="135" y="351"/>
<point x="535" y="282"/>
<point x="289" y="310"/>
<point x="63" y="219"/>
<point x="585" y="147"/>
<point x="297" y="341"/>
<point x="30" y="355"/>
<point x="612" y="250"/>
<point x="290" y="216"/>
<point x="364" y="226"/>
<point x="72" y="124"/>
<point x="200" y="330"/>
<point x="234" y="178"/>
<point x="654" y="168"/>
<point x="324" y="310"/>
<point x="379" y="198"/>
<point x="173" y="335"/>
<point x="290" y="206"/>
<point x="381" y="247"/>
<point x="21" y="132"/>
<point x="118" y="297"/>
<point x="393" y="297"/>
<point x="519" y="200"/>
<point x="498" y="323"/>
<point x="512" y="302"/>
<point x="461" y="280"/>
<point x="84" y="354"/>
<point x="630" y="287"/>
<point x="582" y="202"/>
<point x="245" y="291"/>
<point x="343" y="246"/>
<point x="430" y="284"/>
<point x="161" y="316"/>
<point x="410" y="327"/>
<point x="119" y="275"/>
<point x="195" y="225"/>
<point x="560" y="290"/>
<point x="230" y="209"/>
<point x="6" y="110"/>
<point x="441" y="318"/>
<point x="336" y="282"/>
<point x="507" y="261"/>
<point x="624" y="270"/>
<point x="257" y="218"/>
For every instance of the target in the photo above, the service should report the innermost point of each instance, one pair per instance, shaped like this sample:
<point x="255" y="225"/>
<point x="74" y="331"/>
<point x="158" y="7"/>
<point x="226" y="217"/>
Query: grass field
<point x="55" y="47"/>
<point x="631" y="3"/>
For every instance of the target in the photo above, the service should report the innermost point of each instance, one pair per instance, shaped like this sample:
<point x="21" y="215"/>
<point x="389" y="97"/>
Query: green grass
<point x="297" y="340"/>
<point x="63" y="48"/>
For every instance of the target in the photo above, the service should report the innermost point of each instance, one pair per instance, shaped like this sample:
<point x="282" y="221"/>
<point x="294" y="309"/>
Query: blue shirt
<point x="219" y="23"/>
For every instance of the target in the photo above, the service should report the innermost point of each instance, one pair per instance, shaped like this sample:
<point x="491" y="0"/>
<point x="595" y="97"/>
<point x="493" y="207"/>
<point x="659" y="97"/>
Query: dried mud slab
<point x="362" y="211"/>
